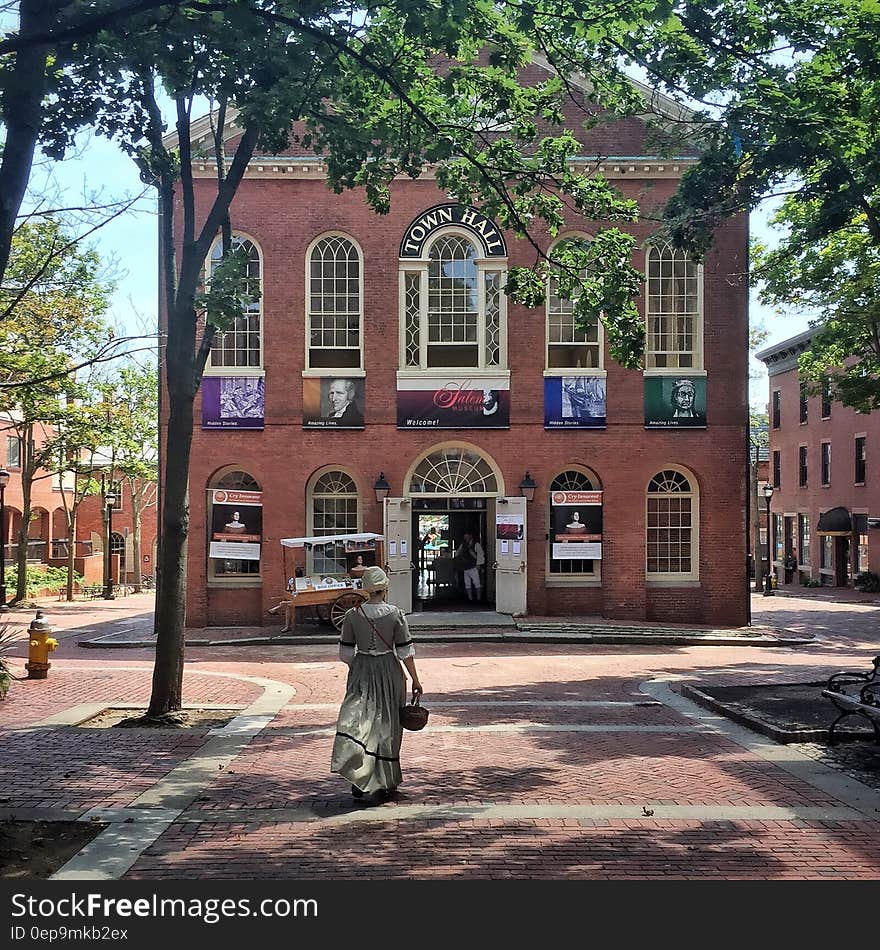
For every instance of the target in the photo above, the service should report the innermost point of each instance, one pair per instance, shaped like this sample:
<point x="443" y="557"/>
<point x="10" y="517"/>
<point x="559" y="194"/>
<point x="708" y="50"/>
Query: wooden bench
<point x="856" y="694"/>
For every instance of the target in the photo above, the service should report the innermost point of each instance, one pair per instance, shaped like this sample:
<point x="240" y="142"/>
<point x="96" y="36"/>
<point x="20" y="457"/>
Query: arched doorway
<point x="442" y="541"/>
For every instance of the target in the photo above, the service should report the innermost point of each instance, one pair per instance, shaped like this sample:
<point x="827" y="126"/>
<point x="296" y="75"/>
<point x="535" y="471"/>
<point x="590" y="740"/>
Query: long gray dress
<point x="366" y="750"/>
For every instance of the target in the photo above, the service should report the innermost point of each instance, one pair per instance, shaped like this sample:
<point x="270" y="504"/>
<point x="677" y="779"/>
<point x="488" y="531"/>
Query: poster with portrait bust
<point x="333" y="402"/>
<point x="675" y="402"/>
<point x="233" y="402"/>
<point x="236" y="524"/>
<point x="576" y="525"/>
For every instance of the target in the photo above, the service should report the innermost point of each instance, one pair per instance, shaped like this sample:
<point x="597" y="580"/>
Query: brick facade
<point x="839" y="427"/>
<point x="283" y="208"/>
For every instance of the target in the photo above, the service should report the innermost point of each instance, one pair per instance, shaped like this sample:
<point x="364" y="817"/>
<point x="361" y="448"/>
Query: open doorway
<point x="439" y="528"/>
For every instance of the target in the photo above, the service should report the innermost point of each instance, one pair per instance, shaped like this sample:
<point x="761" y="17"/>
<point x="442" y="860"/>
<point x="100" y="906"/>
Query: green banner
<point x="675" y="402"/>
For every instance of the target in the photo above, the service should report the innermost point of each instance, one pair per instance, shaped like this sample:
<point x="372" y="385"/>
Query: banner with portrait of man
<point x="333" y="402"/>
<point x="675" y="402"/>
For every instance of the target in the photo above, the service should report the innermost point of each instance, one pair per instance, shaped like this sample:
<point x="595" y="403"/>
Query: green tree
<point x="55" y="318"/>
<point x="792" y="96"/>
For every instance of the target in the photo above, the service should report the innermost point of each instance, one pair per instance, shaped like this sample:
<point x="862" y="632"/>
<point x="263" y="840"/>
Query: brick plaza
<point x="540" y="761"/>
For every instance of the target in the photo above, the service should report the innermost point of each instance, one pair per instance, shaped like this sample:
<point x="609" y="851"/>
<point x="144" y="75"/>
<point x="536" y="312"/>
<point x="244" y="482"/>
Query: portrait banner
<point x="574" y="402"/>
<point x="233" y="402"/>
<point x="675" y="402"/>
<point x="453" y="404"/>
<point x="576" y="525"/>
<point x="236" y="524"/>
<point x="333" y="402"/>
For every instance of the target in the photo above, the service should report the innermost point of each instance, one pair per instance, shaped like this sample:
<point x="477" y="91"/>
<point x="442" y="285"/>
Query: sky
<point x="129" y="244"/>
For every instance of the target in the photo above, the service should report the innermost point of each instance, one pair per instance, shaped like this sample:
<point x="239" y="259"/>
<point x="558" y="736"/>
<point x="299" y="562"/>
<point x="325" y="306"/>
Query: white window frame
<point x="210" y="368"/>
<point x="310" y="510"/>
<point x="673" y="579"/>
<point x="698" y="367"/>
<point x="321" y="371"/>
<point x="420" y="267"/>
<point x="598" y="370"/>
<point x="570" y="580"/>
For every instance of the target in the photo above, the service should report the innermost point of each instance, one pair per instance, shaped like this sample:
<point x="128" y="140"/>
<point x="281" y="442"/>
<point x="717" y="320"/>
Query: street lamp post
<point x="110" y="500"/>
<point x="768" y="585"/>
<point x="4" y="481"/>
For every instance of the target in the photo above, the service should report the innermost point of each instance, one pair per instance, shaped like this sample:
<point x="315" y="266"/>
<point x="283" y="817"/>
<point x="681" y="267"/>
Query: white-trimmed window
<point x="333" y="507"/>
<point x="453" y="309"/>
<point x="672" y="524"/>
<point x="674" y="310"/>
<point x="569" y="346"/>
<point x="226" y="568"/>
<point x="334" y="303"/>
<point x="241" y="346"/>
<point x="573" y="479"/>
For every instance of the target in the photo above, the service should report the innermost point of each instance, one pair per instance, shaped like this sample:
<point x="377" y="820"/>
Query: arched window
<point x="334" y="305"/>
<point x="672" y="524"/>
<point x="452" y="308"/>
<point x="453" y="470"/>
<point x="333" y="509"/>
<point x="242" y="344"/>
<point x="117" y="546"/>
<point x="572" y="480"/>
<point x="234" y="521"/>
<point x="674" y="310"/>
<point x="570" y="347"/>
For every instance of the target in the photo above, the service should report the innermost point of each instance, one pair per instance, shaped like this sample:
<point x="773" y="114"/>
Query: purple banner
<point x="233" y="402"/>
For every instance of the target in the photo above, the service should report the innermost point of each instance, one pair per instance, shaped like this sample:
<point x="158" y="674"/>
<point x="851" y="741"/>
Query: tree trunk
<point x="27" y="480"/>
<point x="170" y="623"/>
<point x="71" y="551"/>
<point x="23" y="94"/>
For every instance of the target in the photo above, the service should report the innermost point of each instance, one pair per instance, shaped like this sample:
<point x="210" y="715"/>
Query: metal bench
<point x="856" y="694"/>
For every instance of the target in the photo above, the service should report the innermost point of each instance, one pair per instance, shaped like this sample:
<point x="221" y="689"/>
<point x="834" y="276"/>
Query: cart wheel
<point x="323" y="612"/>
<point x="341" y="606"/>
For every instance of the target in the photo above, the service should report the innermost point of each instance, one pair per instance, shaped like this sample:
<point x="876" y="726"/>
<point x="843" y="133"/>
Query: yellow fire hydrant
<point x="40" y="645"/>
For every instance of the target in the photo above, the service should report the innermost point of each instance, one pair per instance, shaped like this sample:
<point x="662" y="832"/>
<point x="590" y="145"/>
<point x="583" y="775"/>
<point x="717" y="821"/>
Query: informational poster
<point x="675" y="402"/>
<point x="392" y="549"/>
<point x="509" y="527"/>
<point x="236" y="524"/>
<point x="574" y="402"/>
<point x="333" y="402"/>
<point x="460" y="403"/>
<point x="504" y="546"/>
<point x="404" y="544"/>
<point x="517" y="548"/>
<point x="233" y="402"/>
<point x="576" y="525"/>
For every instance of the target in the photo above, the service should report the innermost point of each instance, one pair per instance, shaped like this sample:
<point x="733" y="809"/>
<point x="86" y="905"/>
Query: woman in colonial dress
<point x="366" y="751"/>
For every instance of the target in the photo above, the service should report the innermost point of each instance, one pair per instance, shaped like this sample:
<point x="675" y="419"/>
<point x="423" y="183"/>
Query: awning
<point x="329" y="539"/>
<point x="836" y="522"/>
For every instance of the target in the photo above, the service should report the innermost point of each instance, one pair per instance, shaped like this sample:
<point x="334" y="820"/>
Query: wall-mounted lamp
<point x="381" y="488"/>
<point x="527" y="487"/>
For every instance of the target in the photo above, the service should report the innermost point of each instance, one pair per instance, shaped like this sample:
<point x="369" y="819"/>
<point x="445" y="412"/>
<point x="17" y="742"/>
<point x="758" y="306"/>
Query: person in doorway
<point x="471" y="558"/>
<point x="375" y="637"/>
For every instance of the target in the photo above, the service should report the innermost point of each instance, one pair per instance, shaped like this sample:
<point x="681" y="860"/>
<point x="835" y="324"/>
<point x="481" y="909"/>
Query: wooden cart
<point x="331" y="597"/>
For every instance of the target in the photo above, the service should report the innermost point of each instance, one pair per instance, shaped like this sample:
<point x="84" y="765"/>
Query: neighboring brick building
<point x="825" y="486"/>
<point x="458" y="394"/>
<point x="47" y="533"/>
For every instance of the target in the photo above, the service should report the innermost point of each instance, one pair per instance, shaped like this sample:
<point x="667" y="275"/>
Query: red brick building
<point x="383" y="350"/>
<point x="47" y="531"/>
<point x="826" y="489"/>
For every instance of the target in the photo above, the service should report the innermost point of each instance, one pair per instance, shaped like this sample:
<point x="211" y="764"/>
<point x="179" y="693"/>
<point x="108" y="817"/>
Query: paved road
<point x="540" y="762"/>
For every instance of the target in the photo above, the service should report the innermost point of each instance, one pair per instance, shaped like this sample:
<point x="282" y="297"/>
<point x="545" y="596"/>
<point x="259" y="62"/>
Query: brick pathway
<point x="541" y="761"/>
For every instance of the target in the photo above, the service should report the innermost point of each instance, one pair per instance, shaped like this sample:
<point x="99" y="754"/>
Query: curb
<point x="784" y="736"/>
